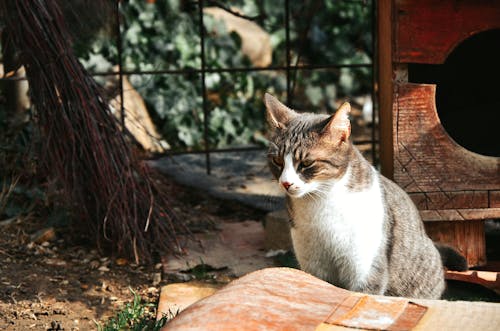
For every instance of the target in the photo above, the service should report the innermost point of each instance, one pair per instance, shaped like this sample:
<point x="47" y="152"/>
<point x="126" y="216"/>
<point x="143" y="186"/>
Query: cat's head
<point x="307" y="151"/>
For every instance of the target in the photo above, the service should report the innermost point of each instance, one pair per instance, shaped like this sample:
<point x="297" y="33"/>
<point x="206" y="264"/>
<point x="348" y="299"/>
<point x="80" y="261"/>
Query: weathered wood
<point x="459" y="214"/>
<point x="426" y="159"/>
<point x="494" y="199"/>
<point x="489" y="279"/>
<point x="446" y="181"/>
<point x="449" y="200"/>
<point x="466" y="236"/>
<point x="384" y="73"/>
<point x="426" y="31"/>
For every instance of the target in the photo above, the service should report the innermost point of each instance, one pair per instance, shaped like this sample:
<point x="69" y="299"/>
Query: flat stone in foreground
<point x="289" y="299"/>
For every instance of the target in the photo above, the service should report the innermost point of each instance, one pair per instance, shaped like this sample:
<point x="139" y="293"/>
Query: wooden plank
<point x="428" y="30"/>
<point x="451" y="200"/>
<point x="384" y="74"/>
<point x="436" y="215"/>
<point x="467" y="237"/>
<point x="394" y="315"/>
<point x="426" y="159"/>
<point x="494" y="197"/>
<point x="489" y="279"/>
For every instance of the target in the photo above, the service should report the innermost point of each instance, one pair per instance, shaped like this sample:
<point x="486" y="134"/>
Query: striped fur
<point x="351" y="226"/>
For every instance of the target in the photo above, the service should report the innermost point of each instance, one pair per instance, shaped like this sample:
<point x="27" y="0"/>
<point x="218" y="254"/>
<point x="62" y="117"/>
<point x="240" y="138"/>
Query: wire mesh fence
<point x="321" y="52"/>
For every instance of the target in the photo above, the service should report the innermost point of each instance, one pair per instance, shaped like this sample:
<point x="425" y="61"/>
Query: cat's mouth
<point x="295" y="192"/>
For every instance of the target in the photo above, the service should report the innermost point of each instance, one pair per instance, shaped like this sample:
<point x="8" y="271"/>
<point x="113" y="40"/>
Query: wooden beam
<point x="385" y="88"/>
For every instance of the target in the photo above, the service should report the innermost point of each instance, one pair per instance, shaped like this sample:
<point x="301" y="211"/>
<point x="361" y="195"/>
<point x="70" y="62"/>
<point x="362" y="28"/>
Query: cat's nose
<point x="286" y="185"/>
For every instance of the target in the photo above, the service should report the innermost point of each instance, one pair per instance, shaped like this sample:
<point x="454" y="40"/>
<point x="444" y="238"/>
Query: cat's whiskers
<point x="355" y="228"/>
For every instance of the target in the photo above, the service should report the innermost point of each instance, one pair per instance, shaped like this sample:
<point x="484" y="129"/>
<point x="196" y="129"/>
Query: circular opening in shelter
<point x="468" y="92"/>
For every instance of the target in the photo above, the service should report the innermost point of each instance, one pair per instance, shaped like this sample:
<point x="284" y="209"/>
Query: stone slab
<point x="239" y="247"/>
<point x="237" y="176"/>
<point x="176" y="297"/>
<point x="289" y="299"/>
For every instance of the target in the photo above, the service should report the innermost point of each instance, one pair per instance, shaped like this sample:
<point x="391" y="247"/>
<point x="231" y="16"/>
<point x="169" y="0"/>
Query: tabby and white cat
<point x="350" y="225"/>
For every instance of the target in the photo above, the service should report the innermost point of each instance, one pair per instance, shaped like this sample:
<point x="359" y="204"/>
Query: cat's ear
<point x="338" y="128"/>
<point x="278" y="115"/>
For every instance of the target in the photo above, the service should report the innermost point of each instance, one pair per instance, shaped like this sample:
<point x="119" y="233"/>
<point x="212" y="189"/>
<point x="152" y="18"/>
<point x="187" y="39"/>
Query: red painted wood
<point x="426" y="31"/>
<point x="427" y="160"/>
<point x="466" y="236"/>
<point x="495" y="199"/>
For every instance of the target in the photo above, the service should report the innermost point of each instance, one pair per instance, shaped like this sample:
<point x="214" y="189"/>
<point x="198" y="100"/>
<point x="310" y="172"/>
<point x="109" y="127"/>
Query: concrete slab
<point x="176" y="297"/>
<point x="238" y="249"/>
<point x="238" y="176"/>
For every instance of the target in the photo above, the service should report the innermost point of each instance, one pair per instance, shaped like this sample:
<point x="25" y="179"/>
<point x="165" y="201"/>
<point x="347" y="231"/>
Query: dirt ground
<point x="64" y="284"/>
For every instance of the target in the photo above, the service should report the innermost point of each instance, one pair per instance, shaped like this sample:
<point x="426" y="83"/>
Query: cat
<point x="350" y="226"/>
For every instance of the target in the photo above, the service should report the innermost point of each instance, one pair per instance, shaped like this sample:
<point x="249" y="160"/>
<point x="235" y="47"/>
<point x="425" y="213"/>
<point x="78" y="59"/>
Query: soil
<point x="58" y="281"/>
<point x="65" y="284"/>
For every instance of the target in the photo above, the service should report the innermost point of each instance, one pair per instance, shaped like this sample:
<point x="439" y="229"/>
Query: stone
<point x="156" y="278"/>
<point x="121" y="261"/>
<point x="176" y="297"/>
<point x="290" y="299"/>
<point x="255" y="41"/>
<point x="137" y="120"/>
<point x="43" y="235"/>
<point x="238" y="247"/>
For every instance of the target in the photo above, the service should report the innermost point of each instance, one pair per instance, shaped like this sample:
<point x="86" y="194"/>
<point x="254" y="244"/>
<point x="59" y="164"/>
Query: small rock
<point x="55" y="262"/>
<point x="121" y="262"/>
<point x="45" y="244"/>
<point x="152" y="290"/>
<point x="158" y="266"/>
<point x="55" y="326"/>
<point x="103" y="268"/>
<point x="156" y="278"/>
<point x="113" y="298"/>
<point x="43" y="235"/>
<point x="58" y="311"/>
<point x="94" y="264"/>
<point x="104" y="286"/>
<point x="42" y="313"/>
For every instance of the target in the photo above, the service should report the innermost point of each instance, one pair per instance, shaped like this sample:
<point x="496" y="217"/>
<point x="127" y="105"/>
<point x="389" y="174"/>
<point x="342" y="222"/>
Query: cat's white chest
<point x="337" y="236"/>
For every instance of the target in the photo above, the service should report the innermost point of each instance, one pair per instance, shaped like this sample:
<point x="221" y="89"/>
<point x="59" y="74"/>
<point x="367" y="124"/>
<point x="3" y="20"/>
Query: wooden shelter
<point x="454" y="187"/>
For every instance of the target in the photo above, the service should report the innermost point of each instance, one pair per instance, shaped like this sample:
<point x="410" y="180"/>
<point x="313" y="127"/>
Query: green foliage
<point x="137" y="316"/>
<point x="164" y="35"/>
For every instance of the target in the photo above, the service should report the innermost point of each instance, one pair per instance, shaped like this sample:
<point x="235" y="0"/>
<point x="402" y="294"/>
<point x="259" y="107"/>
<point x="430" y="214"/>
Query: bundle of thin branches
<point x="83" y="146"/>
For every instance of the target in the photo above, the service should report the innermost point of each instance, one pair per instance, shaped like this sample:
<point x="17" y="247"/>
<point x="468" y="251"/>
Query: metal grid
<point x="288" y="68"/>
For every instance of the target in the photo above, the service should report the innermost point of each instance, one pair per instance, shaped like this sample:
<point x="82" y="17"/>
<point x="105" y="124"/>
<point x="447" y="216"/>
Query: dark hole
<point x="468" y="92"/>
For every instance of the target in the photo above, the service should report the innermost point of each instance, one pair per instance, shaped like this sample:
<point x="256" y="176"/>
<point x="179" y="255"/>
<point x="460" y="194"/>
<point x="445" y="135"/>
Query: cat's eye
<point x="306" y="164"/>
<point x="277" y="161"/>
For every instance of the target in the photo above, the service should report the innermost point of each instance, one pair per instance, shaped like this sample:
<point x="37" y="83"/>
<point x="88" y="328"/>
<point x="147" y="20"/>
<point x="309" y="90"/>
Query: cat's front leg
<point x="376" y="282"/>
